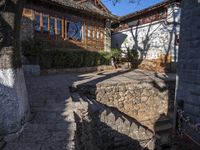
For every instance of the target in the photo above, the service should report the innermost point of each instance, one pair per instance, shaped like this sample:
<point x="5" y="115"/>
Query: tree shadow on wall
<point x="144" y="44"/>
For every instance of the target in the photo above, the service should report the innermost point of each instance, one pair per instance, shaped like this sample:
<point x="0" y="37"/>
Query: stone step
<point x="171" y="115"/>
<point x="162" y="121"/>
<point x="163" y="128"/>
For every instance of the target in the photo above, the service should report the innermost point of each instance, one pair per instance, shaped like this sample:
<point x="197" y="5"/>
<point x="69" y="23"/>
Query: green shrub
<point x="73" y="58"/>
<point x="32" y="47"/>
<point x="117" y="53"/>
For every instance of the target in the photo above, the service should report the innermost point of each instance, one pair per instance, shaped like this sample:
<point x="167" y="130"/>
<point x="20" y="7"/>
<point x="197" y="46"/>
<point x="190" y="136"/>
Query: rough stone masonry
<point x="144" y="99"/>
<point x="188" y="89"/>
<point x="14" y="108"/>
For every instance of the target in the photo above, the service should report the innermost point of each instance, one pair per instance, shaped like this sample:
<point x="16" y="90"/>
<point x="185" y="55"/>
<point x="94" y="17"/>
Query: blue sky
<point x="124" y="7"/>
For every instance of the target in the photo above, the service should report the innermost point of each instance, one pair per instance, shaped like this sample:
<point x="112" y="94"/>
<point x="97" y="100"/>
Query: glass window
<point x="88" y="31"/>
<point x="45" y="24"/>
<point x="74" y="30"/>
<point x="93" y="34"/>
<point x="97" y="34"/>
<point x="59" y="27"/>
<point x="52" y="26"/>
<point x="101" y="35"/>
<point x="37" y="23"/>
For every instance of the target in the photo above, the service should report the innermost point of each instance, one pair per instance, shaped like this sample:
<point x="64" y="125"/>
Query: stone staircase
<point x="163" y="128"/>
<point x="100" y="127"/>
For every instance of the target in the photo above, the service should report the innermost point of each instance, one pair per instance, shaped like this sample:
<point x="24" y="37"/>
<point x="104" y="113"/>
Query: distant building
<point x="68" y="23"/>
<point x="153" y="32"/>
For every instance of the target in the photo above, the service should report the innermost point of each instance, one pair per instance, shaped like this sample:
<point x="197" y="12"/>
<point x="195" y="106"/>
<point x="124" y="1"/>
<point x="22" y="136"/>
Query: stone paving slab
<point x="122" y="76"/>
<point x="52" y="125"/>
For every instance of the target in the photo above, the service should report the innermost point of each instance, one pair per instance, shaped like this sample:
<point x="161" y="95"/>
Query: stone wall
<point x="102" y="127"/>
<point x="145" y="101"/>
<point x="188" y="88"/>
<point x="14" y="105"/>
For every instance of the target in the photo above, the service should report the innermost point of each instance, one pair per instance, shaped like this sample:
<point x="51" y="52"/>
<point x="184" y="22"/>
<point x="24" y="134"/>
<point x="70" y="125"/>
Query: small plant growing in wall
<point x="32" y="49"/>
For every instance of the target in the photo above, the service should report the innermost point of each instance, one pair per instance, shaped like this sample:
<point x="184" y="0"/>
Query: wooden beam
<point x="56" y="31"/>
<point x="95" y="34"/>
<point x="65" y="29"/>
<point x="41" y="22"/>
<point x="49" y="28"/>
<point x="86" y="42"/>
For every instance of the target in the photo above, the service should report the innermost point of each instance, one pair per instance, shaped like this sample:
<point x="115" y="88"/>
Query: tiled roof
<point x="85" y="6"/>
<point x="156" y="6"/>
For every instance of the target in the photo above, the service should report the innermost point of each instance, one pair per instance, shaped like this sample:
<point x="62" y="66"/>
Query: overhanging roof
<point x="86" y="7"/>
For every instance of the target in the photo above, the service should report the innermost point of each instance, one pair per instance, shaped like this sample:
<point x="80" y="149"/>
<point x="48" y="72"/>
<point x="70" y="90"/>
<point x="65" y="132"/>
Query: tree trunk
<point x="14" y="108"/>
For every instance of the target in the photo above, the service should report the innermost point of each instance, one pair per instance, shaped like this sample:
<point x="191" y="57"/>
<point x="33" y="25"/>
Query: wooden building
<point x="70" y="24"/>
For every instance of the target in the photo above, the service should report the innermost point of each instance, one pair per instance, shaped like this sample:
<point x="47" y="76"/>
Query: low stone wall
<point x="158" y="65"/>
<point x="103" y="127"/>
<point x="145" y="101"/>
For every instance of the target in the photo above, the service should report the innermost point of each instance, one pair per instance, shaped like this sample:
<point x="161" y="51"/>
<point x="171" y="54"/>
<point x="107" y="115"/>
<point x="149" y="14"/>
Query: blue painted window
<point x="52" y="26"/>
<point x="59" y="27"/>
<point x="37" y="23"/>
<point x="45" y="24"/>
<point x="74" y="30"/>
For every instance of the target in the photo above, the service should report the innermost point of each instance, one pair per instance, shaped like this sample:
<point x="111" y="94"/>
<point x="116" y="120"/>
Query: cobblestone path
<point x="51" y="126"/>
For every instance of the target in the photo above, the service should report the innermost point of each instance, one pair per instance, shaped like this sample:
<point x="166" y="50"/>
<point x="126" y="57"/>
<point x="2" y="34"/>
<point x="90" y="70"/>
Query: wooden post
<point x="56" y="31"/>
<point x="49" y="28"/>
<point x="91" y="33"/>
<point x="86" y="36"/>
<point x="83" y="33"/>
<point x="95" y="35"/>
<point x="99" y="37"/>
<point x="62" y="31"/>
<point x="65" y="29"/>
<point x="103" y="42"/>
<point x="41" y="22"/>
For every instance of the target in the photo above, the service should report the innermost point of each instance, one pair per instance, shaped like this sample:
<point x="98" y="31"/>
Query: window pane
<point x="101" y="35"/>
<point x="93" y="34"/>
<point x="88" y="31"/>
<point x="52" y="26"/>
<point x="45" y="24"/>
<point x="74" y="30"/>
<point x="59" y="27"/>
<point x="37" y="23"/>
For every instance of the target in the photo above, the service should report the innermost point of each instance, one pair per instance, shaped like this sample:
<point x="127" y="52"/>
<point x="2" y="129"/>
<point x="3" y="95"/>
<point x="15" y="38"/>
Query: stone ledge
<point x="76" y="70"/>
